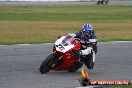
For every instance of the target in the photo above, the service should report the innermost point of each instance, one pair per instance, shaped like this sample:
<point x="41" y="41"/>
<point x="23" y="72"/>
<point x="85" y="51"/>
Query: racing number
<point x="60" y="47"/>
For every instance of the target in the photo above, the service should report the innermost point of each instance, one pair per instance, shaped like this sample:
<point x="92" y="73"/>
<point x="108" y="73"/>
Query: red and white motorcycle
<point x="63" y="57"/>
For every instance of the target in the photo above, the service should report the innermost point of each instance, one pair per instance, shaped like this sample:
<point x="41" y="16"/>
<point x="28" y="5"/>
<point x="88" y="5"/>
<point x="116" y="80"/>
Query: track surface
<point x="19" y="66"/>
<point x="46" y="3"/>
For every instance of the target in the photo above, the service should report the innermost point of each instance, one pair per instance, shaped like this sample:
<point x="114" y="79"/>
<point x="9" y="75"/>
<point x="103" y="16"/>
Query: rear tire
<point x="46" y="64"/>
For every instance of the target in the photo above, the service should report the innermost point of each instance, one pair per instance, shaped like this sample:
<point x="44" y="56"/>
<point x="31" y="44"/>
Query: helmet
<point x="87" y="28"/>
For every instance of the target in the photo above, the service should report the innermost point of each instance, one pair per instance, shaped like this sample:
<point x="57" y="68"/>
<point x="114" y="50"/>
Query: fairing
<point x="63" y="47"/>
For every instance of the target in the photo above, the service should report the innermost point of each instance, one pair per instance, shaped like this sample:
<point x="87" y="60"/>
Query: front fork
<point x="55" y="61"/>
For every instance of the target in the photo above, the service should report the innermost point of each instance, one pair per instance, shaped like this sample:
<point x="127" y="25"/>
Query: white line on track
<point x="53" y="43"/>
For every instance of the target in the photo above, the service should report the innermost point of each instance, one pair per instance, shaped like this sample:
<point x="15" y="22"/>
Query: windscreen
<point x="67" y="40"/>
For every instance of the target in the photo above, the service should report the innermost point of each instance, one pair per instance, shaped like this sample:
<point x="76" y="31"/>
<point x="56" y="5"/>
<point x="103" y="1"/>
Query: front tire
<point x="46" y="64"/>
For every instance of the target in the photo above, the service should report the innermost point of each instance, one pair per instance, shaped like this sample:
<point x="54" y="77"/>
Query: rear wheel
<point x="47" y="64"/>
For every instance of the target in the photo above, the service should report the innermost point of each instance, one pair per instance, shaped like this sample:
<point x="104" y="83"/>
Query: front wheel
<point x="46" y="64"/>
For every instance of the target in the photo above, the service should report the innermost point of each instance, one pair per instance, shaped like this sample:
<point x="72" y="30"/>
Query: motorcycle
<point x="105" y="2"/>
<point x="63" y="57"/>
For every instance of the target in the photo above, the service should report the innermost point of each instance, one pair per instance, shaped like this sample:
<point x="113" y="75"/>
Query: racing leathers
<point x="89" y="47"/>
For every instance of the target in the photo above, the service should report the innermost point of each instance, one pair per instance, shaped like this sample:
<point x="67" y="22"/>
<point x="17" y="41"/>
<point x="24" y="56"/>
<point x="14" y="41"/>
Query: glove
<point x="76" y="52"/>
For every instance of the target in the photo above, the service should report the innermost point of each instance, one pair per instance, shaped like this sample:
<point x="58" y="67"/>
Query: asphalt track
<point x="19" y="66"/>
<point x="66" y="3"/>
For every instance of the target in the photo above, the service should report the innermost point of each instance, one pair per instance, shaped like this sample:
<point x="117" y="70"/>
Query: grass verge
<point x="44" y="24"/>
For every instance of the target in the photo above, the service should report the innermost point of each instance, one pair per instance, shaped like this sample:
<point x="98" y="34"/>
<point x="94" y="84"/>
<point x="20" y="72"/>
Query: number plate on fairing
<point x="61" y="46"/>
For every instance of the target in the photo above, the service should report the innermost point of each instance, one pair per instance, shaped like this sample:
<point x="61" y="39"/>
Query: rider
<point x="88" y="40"/>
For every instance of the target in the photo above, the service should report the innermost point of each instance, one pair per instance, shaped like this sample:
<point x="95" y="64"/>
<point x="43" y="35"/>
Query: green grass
<point x="79" y="13"/>
<point x="44" y="24"/>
